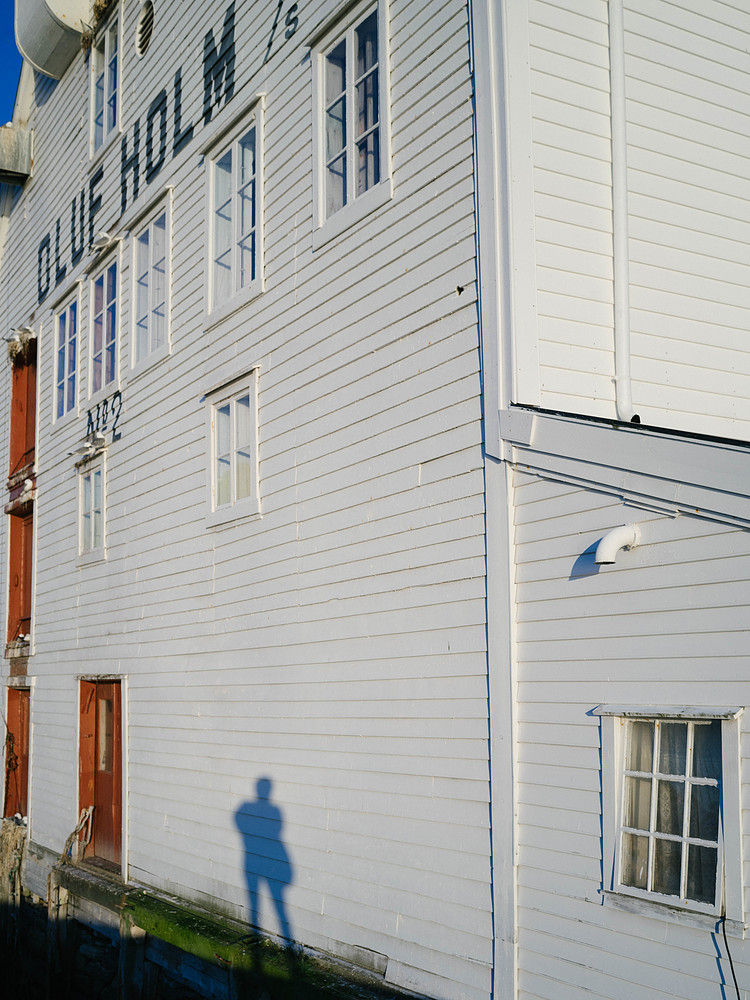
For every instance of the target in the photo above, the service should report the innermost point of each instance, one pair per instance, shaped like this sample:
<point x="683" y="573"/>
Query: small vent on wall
<point x="145" y="28"/>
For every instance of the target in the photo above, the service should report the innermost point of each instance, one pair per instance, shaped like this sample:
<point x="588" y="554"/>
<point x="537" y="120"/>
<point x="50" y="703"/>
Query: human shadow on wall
<point x="266" y="865"/>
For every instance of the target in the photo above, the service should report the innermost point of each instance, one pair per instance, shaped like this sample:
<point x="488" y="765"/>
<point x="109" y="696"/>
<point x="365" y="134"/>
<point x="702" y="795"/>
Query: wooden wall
<point x="336" y="644"/>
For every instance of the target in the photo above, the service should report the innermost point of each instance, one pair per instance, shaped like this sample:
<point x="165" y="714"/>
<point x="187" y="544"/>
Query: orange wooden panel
<point x="100" y="767"/>
<point x="17" y="753"/>
<point x="19" y="576"/>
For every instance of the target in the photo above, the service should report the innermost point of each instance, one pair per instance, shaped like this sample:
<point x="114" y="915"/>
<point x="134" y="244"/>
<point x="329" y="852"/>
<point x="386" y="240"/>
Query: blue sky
<point x="10" y="61"/>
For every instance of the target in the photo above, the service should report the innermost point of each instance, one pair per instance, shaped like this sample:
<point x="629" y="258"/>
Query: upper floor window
<point x="151" y="307"/>
<point x="104" y="83"/>
<point x="67" y="359"/>
<point x="234" y="217"/>
<point x="104" y="325"/>
<point x="91" y="537"/>
<point x="233" y="451"/>
<point x="351" y="137"/>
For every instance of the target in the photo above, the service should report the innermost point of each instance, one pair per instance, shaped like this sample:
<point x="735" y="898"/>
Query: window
<point x="17" y="753"/>
<point x="104" y="83"/>
<point x="233" y="435"/>
<point x="67" y="359"/>
<point x="234" y="217"/>
<point x="100" y="769"/>
<point x="104" y="321"/>
<point x="151" y="254"/>
<point x="352" y="136"/>
<point x="672" y="788"/>
<point x="91" y="485"/>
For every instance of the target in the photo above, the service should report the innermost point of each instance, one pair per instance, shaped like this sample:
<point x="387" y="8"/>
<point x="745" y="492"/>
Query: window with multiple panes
<point x="91" y="524"/>
<point x="104" y="325"/>
<point x="233" y="429"/>
<point x="66" y="365"/>
<point x="151" y="306"/>
<point x="234" y="232"/>
<point x="104" y="83"/>
<point x="671" y="809"/>
<point x="351" y="149"/>
<point x="352" y="114"/>
<point x="670" y="830"/>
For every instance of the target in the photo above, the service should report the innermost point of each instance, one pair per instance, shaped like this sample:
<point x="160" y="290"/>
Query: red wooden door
<point x="100" y="782"/>
<point x="17" y="753"/>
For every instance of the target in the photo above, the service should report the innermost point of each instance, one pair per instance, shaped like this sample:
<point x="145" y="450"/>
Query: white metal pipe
<point x="624" y="537"/>
<point x="620" y="251"/>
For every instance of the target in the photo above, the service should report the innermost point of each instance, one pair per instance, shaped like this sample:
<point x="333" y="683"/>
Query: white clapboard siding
<point x="687" y="162"/>
<point x="336" y="643"/>
<point x="652" y="629"/>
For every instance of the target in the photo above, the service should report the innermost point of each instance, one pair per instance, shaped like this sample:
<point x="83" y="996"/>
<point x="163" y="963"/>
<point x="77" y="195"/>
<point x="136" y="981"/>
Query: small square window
<point x="352" y="173"/>
<point x="104" y="328"/>
<point x="235" y="219"/>
<point x="66" y="360"/>
<point x="91" y="506"/>
<point x="671" y="785"/>
<point x="233" y="450"/>
<point x="105" y="84"/>
<point x="151" y="269"/>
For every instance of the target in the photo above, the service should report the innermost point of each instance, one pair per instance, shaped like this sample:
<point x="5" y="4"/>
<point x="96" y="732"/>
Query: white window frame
<point x="228" y="138"/>
<point x="89" y="549"/>
<point x="153" y="353"/>
<point x="227" y="396"/>
<point x="64" y="310"/>
<point x="326" y="228"/>
<point x="111" y="32"/>
<point x="614" y="730"/>
<point x="107" y="385"/>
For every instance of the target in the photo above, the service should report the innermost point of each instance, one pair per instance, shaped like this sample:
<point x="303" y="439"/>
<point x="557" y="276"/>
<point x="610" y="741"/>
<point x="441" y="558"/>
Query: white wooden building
<point x="355" y="328"/>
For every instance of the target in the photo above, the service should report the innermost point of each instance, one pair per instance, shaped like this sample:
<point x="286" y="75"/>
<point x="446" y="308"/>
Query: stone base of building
<point x="89" y="935"/>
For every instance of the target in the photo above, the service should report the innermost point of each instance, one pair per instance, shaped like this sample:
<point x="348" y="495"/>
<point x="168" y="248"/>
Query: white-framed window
<point x="105" y="70"/>
<point x="670" y="798"/>
<point x="233" y="450"/>
<point x="351" y="133"/>
<point x="104" y="327"/>
<point x="151" y="270"/>
<point x="91" y="509"/>
<point x="66" y="359"/>
<point x="235" y="227"/>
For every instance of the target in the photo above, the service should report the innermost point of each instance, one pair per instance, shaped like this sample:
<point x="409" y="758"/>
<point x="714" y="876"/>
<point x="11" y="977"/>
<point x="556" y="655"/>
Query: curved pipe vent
<point x="626" y="536"/>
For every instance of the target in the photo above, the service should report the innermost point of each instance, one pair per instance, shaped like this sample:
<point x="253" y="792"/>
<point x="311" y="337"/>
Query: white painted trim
<point x="668" y="712"/>
<point x="697" y="477"/>
<point x="521" y="214"/>
<point x="491" y="213"/>
<point x="502" y="684"/>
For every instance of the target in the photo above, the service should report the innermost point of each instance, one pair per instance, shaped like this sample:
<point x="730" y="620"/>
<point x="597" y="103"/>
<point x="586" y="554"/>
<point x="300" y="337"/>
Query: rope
<point x="85" y="821"/>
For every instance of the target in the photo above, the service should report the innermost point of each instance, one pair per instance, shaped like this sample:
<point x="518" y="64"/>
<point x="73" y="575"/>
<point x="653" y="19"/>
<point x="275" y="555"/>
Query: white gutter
<point x="620" y="253"/>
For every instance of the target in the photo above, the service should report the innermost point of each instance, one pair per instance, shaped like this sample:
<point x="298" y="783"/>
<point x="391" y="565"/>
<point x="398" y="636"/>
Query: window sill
<point x="242" y="511"/>
<point x="675" y="914"/>
<point x="104" y="393"/>
<point x="220" y="313"/>
<point x="352" y="214"/>
<point x="66" y="420"/>
<point x="140" y="368"/>
<point x="92" y="558"/>
<point x="101" y="151"/>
